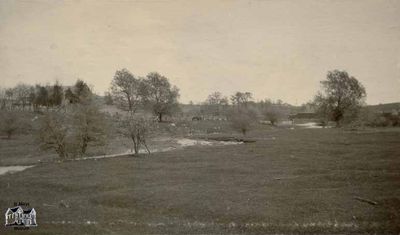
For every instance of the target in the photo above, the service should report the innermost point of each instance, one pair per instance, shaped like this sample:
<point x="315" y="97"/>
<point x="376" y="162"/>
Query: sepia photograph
<point x="199" y="117"/>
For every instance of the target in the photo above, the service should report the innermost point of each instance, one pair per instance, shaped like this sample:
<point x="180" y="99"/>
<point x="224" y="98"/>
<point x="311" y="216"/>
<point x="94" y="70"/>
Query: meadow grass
<point x="288" y="181"/>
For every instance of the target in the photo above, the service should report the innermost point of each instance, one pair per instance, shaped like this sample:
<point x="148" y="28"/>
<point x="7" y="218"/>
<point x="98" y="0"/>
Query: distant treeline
<point x="69" y="119"/>
<point x="339" y="101"/>
<point x="34" y="97"/>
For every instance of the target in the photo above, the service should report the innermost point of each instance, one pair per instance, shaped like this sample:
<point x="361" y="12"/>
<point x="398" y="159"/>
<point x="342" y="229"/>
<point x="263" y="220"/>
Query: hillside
<point x="384" y="107"/>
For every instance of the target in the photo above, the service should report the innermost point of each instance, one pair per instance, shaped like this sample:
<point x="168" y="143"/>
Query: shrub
<point x="53" y="134"/>
<point x="137" y="128"/>
<point x="9" y="123"/>
<point x="12" y="122"/>
<point x="242" y="119"/>
<point x="88" y="127"/>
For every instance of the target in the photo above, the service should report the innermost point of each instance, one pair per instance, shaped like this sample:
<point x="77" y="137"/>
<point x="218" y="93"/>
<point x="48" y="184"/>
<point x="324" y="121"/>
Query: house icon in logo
<point x="17" y="217"/>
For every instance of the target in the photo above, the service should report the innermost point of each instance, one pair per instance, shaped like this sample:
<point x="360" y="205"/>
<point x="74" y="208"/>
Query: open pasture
<point x="289" y="180"/>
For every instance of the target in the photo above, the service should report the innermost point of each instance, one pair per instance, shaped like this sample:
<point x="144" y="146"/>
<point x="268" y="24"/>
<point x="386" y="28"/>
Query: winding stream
<point x="180" y="143"/>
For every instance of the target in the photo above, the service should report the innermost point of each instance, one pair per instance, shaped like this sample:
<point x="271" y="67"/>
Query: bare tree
<point x="242" y="119"/>
<point x="274" y="112"/>
<point x="137" y="128"/>
<point x="216" y="98"/>
<point x="22" y="92"/>
<point x="10" y="97"/>
<point x="70" y="132"/>
<point x="241" y="98"/>
<point x="216" y="104"/>
<point x="53" y="133"/>
<point x="88" y="126"/>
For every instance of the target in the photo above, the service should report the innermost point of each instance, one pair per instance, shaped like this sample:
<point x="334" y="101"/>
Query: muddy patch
<point x="169" y="144"/>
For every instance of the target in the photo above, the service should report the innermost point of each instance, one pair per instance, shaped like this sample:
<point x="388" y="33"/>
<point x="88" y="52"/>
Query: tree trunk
<point x="145" y="145"/>
<point x="84" y="147"/>
<point x="61" y="151"/>
<point x="160" y="117"/>
<point x="135" y="145"/>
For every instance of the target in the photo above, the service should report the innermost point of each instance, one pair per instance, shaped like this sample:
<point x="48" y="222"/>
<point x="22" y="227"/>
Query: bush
<point x="53" y="134"/>
<point x="9" y="123"/>
<point x="137" y="128"/>
<point x="12" y="122"/>
<point x="88" y="127"/>
<point x="70" y="134"/>
<point x="369" y="118"/>
<point x="242" y="119"/>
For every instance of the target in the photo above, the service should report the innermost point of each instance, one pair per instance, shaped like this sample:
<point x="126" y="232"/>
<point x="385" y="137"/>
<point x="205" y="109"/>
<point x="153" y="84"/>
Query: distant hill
<point x="389" y="107"/>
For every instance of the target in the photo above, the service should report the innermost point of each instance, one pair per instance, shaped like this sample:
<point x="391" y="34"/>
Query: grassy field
<point x="288" y="181"/>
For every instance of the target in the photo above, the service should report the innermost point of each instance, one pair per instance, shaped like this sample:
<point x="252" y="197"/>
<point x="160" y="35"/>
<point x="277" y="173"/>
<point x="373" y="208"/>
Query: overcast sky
<point x="274" y="49"/>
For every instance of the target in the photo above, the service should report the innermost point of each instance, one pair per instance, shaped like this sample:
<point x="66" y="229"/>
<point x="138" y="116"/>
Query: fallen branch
<point x="366" y="200"/>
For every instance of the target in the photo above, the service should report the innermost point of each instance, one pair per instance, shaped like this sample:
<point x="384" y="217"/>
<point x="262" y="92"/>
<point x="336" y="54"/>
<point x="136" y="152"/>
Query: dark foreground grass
<point x="289" y="181"/>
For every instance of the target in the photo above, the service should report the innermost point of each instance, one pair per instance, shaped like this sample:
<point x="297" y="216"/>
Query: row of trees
<point x="26" y="97"/>
<point x="72" y="118"/>
<point x="340" y="100"/>
<point x="217" y="105"/>
<point x="77" y="121"/>
<point x="241" y="110"/>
